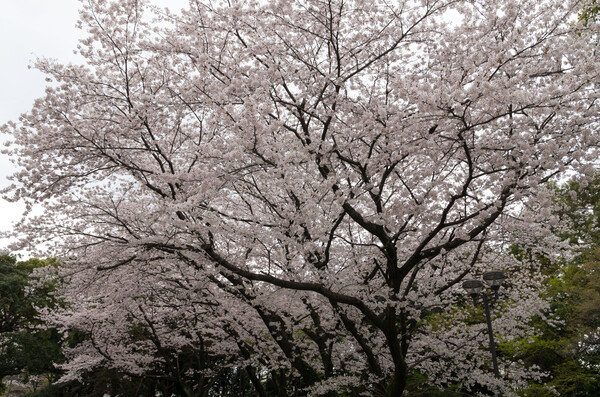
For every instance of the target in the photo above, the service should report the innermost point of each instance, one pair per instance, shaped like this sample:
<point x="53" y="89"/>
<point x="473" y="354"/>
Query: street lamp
<point x="494" y="280"/>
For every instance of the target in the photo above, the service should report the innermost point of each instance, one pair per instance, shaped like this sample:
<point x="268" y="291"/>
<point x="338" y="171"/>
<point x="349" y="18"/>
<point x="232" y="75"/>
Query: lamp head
<point x="473" y="287"/>
<point x="494" y="279"/>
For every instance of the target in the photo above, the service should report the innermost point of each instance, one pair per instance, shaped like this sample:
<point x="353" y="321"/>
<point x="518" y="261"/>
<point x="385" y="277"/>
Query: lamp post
<point x="494" y="280"/>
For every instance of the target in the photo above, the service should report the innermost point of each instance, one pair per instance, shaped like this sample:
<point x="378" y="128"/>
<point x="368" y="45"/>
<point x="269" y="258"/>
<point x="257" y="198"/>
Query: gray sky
<point x="30" y="29"/>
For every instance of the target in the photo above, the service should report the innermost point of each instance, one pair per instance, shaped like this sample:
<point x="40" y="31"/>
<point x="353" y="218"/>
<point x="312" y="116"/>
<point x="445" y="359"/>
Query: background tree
<point x="569" y="350"/>
<point x="590" y="11"/>
<point x="306" y="181"/>
<point x="26" y="347"/>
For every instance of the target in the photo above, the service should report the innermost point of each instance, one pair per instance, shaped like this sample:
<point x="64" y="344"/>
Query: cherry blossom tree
<point x="300" y="187"/>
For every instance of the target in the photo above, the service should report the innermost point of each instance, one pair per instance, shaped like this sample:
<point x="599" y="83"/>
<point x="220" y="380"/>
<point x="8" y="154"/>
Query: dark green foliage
<point x="26" y="347"/>
<point x="419" y="385"/>
<point x="570" y="352"/>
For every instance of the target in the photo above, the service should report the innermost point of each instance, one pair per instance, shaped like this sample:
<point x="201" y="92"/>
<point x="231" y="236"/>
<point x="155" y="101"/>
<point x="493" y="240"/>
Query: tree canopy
<point x="26" y="347"/>
<point x="294" y="191"/>
<point x="569" y="351"/>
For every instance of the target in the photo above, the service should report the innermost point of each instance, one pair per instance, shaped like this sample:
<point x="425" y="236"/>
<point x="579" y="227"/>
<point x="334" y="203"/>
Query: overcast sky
<point x="30" y="29"/>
